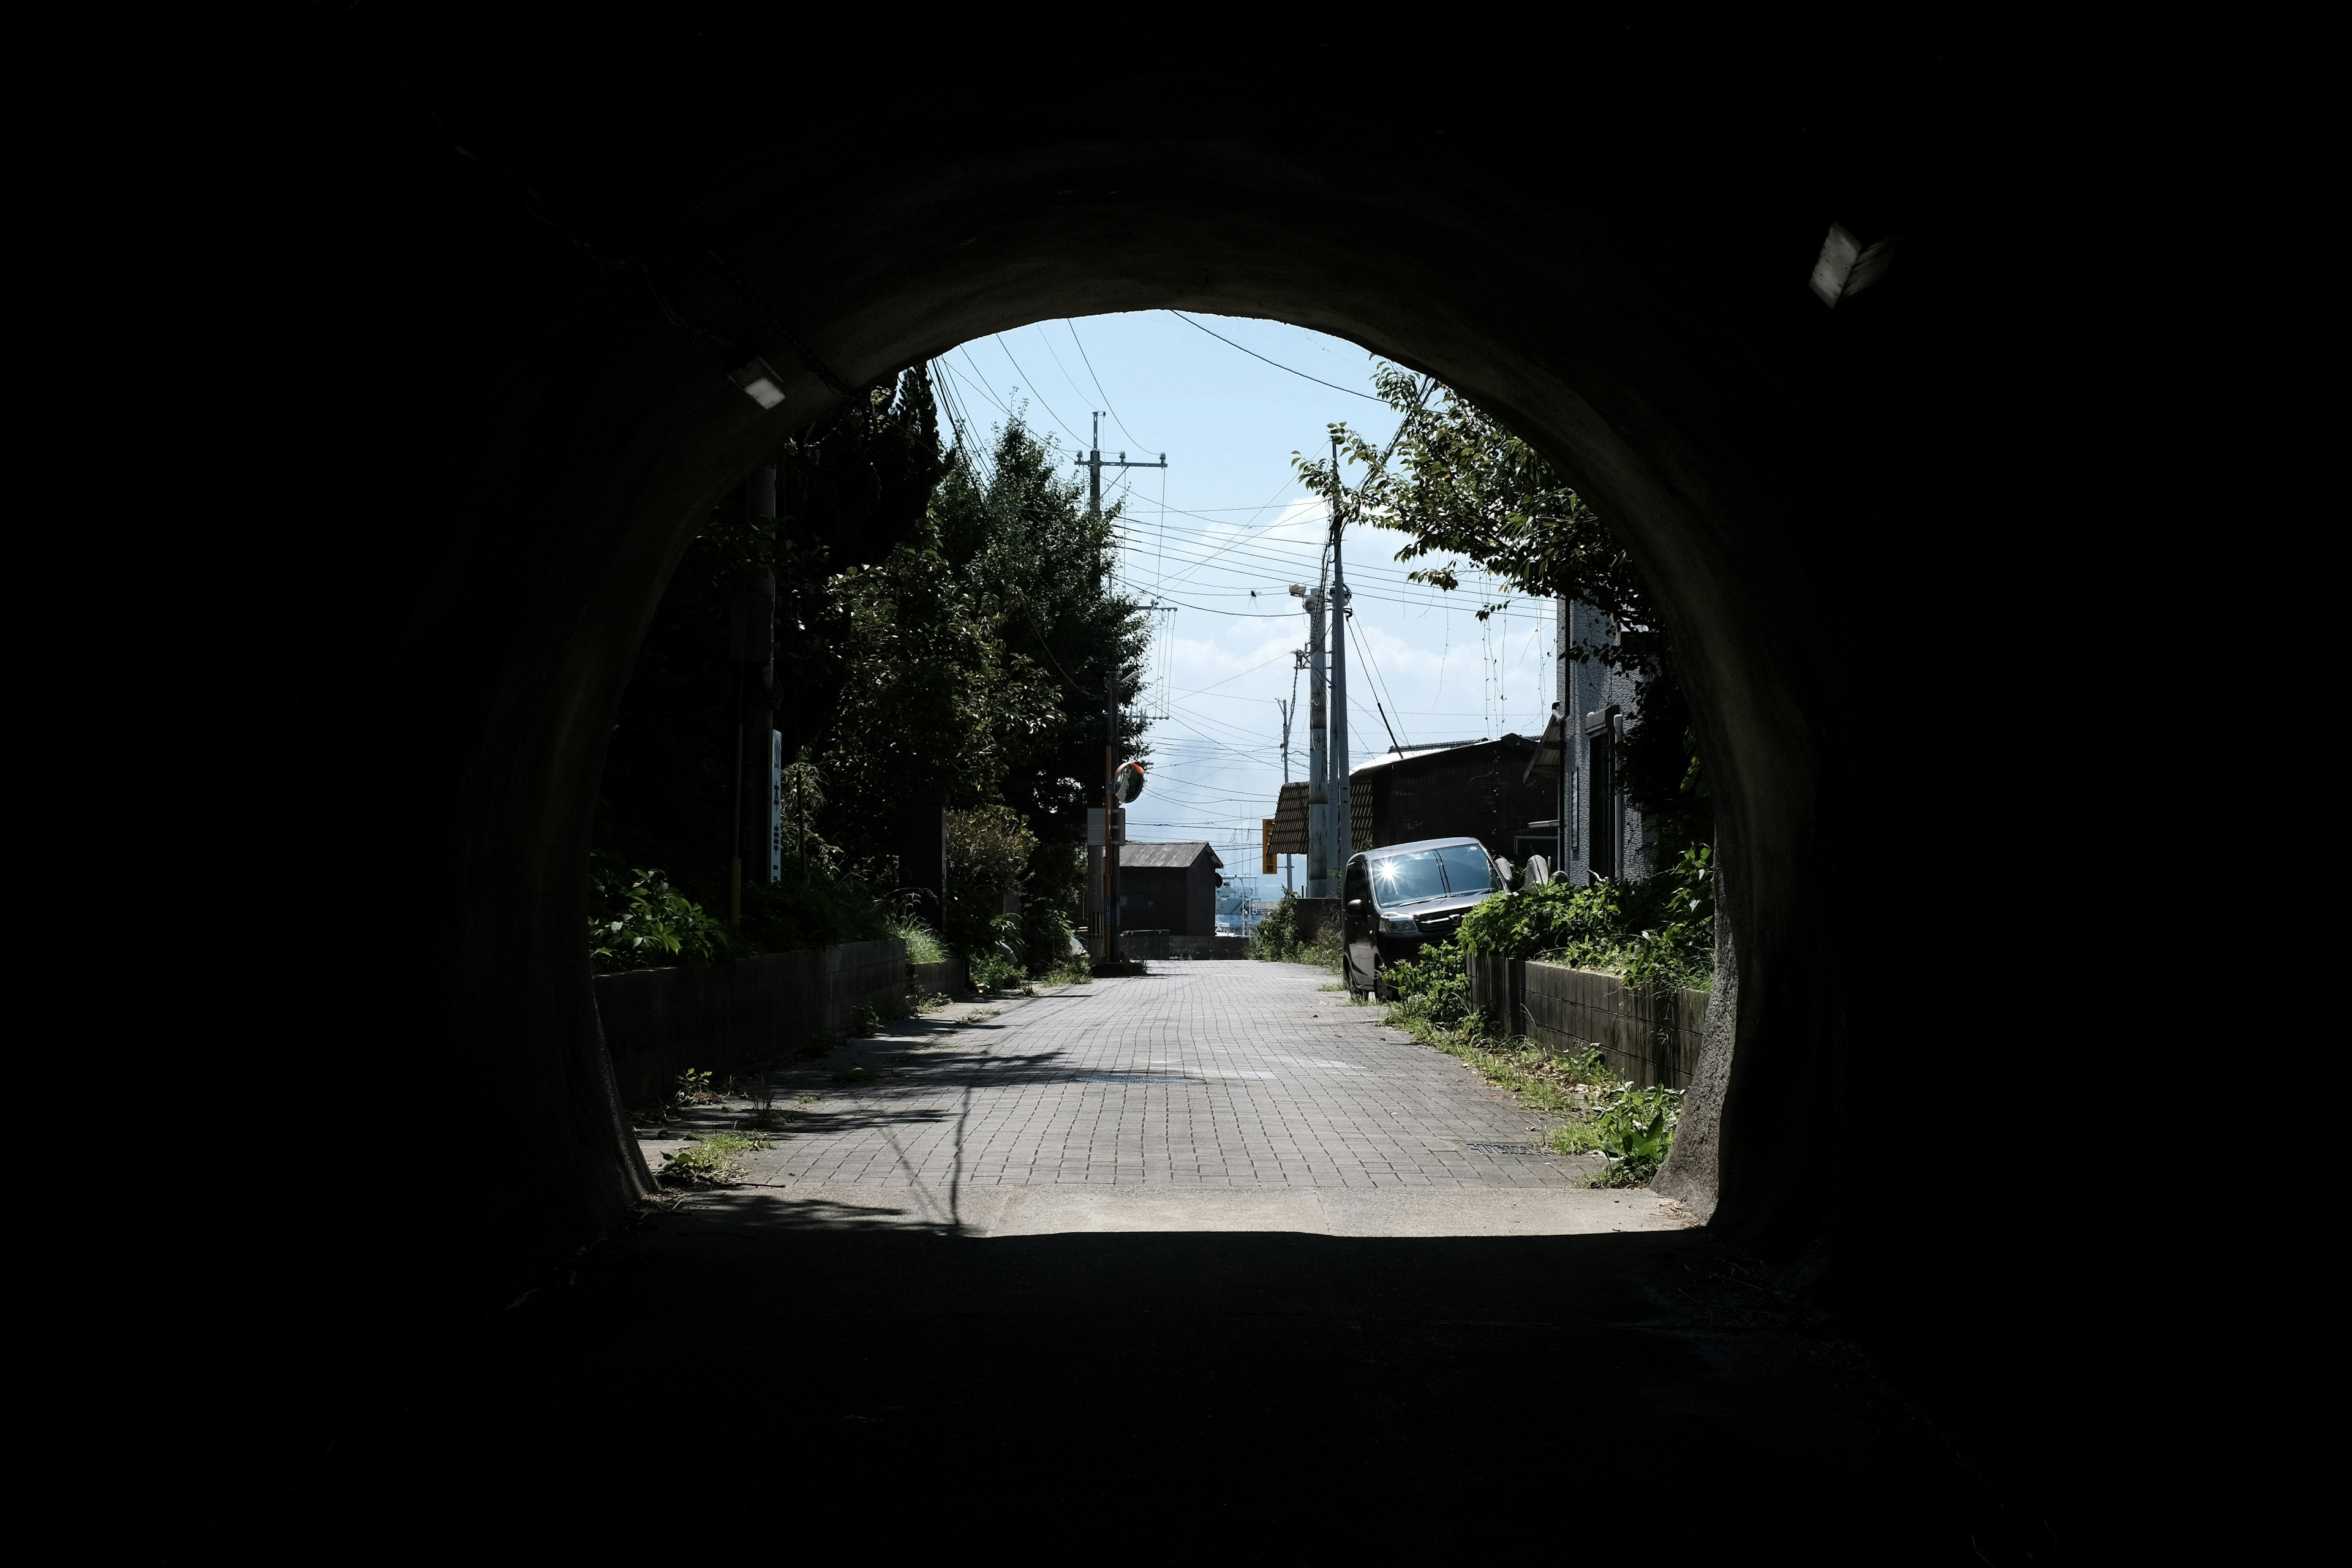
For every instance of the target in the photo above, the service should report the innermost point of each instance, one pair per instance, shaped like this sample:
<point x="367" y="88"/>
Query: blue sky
<point x="1228" y="516"/>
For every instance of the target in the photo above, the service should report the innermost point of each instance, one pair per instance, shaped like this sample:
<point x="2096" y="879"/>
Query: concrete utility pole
<point x="754" y="652"/>
<point x="1343" y="815"/>
<point x="1110" y="818"/>
<point x="1318" y="796"/>
<point x="1286" y="708"/>
<point x="1094" y="462"/>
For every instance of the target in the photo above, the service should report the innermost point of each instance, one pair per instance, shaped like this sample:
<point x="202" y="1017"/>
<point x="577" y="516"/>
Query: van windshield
<point x="1467" y="869"/>
<point x="1424" y="874"/>
<point x="1408" y="879"/>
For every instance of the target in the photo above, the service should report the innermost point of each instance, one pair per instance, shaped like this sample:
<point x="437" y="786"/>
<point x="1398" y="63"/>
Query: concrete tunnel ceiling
<point x="567" y="254"/>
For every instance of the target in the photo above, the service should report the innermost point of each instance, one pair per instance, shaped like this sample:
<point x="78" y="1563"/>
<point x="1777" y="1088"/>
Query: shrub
<point x="1276" y="938"/>
<point x="1655" y="932"/>
<point x="923" y="944"/>
<point x="640" y="922"/>
<point x="813" y="905"/>
<point x="1635" y="1129"/>
<point x="1432" y="984"/>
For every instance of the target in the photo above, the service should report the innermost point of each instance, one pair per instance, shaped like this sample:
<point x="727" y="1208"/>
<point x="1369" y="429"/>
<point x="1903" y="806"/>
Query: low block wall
<point x="945" y="978"/>
<point x="1208" y="947"/>
<point x="1649" y="1039"/>
<point x="660" y="1022"/>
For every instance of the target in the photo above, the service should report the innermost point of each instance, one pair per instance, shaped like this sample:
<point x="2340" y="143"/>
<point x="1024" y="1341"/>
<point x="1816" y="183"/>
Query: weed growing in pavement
<point x="766" y="1120"/>
<point x="1071" y="971"/>
<point x="1636" y="1129"/>
<point x="1601" y="1112"/>
<point x="805" y="1097"/>
<point x="865" y="1021"/>
<point x="1330" y="988"/>
<point x="711" y="1159"/>
<point x="694" y="1089"/>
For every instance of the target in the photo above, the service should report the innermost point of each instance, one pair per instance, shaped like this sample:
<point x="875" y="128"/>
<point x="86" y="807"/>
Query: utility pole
<point x="1343" y="817"/>
<point x="1094" y="462"/>
<point x="1288" y="709"/>
<point x="1110" y="818"/>
<point x="1318" y="796"/>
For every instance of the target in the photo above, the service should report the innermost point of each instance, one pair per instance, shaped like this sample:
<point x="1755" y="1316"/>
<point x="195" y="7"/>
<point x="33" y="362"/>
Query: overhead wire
<point x="1276" y="364"/>
<point x="1030" y="382"/>
<point x="1141" y="444"/>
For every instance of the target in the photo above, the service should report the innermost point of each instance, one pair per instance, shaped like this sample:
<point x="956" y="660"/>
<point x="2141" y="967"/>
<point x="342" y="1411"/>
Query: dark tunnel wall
<point x="510" y="280"/>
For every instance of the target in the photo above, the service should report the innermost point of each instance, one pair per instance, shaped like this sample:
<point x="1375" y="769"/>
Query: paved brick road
<point x="1236" y="1075"/>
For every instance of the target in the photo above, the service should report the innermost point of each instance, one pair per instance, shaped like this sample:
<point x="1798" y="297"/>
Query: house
<point x="1576" y="757"/>
<point x="1470" y="789"/>
<point x="1169" y="887"/>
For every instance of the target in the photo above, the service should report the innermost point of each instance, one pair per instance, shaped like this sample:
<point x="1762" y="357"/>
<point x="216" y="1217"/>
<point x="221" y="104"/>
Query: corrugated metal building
<point x="1479" y="789"/>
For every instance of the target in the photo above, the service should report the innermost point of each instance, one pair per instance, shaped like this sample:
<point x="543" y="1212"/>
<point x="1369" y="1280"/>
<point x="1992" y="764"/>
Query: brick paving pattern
<point x="1203" y="1074"/>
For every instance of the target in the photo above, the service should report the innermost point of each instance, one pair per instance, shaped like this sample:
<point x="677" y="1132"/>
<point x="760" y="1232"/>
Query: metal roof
<point x="1434" y="753"/>
<point x="1164" y="857"/>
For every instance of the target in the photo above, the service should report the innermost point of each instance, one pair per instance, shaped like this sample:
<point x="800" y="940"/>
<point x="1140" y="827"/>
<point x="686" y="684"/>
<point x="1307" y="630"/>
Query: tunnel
<point x="512" y="289"/>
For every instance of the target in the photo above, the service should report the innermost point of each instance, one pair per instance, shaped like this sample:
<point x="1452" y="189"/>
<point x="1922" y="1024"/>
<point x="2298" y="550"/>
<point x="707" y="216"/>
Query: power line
<point x="1098" y="387"/>
<point x="1030" y="382"/>
<point x="1277" y="363"/>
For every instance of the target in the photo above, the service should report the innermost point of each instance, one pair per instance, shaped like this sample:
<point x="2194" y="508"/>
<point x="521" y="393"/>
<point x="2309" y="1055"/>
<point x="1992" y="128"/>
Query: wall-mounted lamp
<point x="758" y="382"/>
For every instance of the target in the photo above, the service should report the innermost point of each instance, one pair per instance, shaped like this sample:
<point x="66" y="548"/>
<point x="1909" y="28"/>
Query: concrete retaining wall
<point x="1208" y="947"/>
<point x="948" y="977"/>
<point x="1649" y="1039"/>
<point x="660" y="1022"/>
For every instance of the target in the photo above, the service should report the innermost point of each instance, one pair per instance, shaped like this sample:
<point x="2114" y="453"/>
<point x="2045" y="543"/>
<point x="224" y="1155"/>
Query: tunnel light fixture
<point x="760" y="383"/>
<point x="1847" y="267"/>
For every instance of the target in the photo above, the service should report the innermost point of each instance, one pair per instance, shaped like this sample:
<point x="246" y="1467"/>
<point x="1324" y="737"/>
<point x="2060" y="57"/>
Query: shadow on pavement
<point x="1156" y="1398"/>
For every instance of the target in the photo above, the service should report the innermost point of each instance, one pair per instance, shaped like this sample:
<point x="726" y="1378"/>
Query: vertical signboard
<point x="775" y="806"/>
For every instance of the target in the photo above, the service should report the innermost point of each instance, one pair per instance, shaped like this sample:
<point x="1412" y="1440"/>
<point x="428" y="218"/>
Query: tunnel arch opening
<point x="562" y="268"/>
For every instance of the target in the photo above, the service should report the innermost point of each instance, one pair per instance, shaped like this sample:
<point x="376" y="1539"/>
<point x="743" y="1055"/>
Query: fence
<point x="1649" y="1038"/>
<point x="660" y="1022"/>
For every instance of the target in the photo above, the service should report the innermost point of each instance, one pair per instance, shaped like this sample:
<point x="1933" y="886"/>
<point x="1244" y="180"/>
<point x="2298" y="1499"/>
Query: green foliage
<point x="1655" y="933"/>
<point x="996" y="972"/>
<point x="638" y="920"/>
<point x="865" y="1021"/>
<point x="711" y="1159"/>
<point x="988" y="857"/>
<point x="946" y="625"/>
<point x="1276" y="938"/>
<point x="1433" y="986"/>
<point x="811" y="906"/>
<point x="923" y="946"/>
<point x="1460" y="486"/>
<point x="1584" y="926"/>
<point x="1636" y="1130"/>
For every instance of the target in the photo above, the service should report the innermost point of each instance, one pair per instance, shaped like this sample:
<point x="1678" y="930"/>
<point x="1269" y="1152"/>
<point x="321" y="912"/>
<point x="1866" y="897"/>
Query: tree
<point x="941" y="635"/>
<point x="1461" y="486"/>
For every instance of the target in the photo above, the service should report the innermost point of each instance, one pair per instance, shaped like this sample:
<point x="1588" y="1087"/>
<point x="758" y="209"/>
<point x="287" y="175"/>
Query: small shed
<point x="1169" y="887"/>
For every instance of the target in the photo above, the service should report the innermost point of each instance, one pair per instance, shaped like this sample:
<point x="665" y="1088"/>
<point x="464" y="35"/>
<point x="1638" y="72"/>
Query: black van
<point x="1396" y="898"/>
